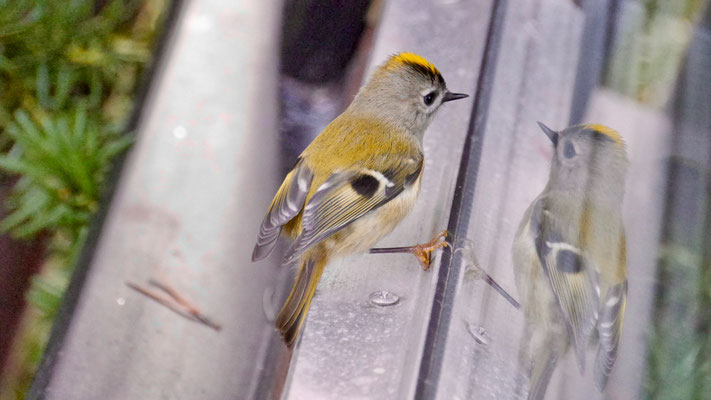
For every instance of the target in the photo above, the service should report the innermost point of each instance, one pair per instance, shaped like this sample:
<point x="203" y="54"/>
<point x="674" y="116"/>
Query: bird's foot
<point x="423" y="252"/>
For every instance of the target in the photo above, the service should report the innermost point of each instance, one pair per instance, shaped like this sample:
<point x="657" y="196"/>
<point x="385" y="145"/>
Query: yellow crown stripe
<point x="611" y="133"/>
<point x="401" y="59"/>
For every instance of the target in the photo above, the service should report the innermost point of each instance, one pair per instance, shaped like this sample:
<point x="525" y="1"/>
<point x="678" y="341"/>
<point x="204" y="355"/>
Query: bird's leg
<point x="423" y="252"/>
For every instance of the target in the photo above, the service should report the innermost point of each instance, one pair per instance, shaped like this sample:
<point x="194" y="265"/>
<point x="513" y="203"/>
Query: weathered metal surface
<point x="205" y="167"/>
<point x="185" y="213"/>
<point x="534" y="80"/>
<point x="597" y="35"/>
<point x="352" y="348"/>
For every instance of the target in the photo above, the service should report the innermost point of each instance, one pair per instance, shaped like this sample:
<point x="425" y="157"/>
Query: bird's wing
<point x="347" y="195"/>
<point x="287" y="204"/>
<point x="572" y="278"/>
<point x="609" y="330"/>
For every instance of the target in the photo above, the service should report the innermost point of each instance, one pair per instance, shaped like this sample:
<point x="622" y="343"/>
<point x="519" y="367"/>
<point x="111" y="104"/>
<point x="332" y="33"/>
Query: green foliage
<point x="679" y="359"/>
<point x="68" y="75"/>
<point x="53" y="53"/>
<point x="650" y="43"/>
<point x="62" y="162"/>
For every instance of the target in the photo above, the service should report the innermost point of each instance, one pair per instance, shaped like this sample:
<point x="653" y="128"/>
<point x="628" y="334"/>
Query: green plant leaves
<point x="68" y="75"/>
<point x="62" y="161"/>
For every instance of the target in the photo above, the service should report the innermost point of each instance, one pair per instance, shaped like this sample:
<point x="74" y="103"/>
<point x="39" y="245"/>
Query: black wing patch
<point x="346" y="196"/>
<point x="569" y="261"/>
<point x="365" y="185"/>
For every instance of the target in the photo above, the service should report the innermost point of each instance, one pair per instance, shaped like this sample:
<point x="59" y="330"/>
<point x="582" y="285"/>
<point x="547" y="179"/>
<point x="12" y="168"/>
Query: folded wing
<point x="573" y="280"/>
<point x="348" y="195"/>
<point x="286" y="205"/>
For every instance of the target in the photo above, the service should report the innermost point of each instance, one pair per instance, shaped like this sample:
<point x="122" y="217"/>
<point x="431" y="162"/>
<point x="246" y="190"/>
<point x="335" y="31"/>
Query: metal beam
<point x="184" y="213"/>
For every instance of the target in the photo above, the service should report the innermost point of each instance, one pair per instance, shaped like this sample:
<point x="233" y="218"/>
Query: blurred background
<point x="76" y="82"/>
<point x="70" y="79"/>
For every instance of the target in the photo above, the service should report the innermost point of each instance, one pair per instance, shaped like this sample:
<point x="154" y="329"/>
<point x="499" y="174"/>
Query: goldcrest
<point x="570" y="258"/>
<point x="357" y="179"/>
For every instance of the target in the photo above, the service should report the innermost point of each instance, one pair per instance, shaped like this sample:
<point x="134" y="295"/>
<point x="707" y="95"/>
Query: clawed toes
<point x="423" y="252"/>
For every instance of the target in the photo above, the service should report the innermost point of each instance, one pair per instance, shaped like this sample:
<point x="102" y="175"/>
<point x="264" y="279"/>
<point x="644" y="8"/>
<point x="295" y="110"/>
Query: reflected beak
<point x="552" y="135"/>
<point x="449" y="96"/>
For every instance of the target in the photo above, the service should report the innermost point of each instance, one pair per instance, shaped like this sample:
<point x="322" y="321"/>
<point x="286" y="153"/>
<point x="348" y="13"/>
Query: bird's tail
<point x="293" y="313"/>
<point x="544" y="361"/>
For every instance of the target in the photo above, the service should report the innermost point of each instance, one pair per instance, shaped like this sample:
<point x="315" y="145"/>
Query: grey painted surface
<point x="184" y="214"/>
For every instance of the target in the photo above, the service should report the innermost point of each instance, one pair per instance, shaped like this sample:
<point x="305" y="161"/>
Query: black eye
<point x="569" y="150"/>
<point x="429" y="98"/>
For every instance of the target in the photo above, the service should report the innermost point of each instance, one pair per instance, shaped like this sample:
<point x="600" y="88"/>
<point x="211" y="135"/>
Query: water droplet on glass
<point x="384" y="298"/>
<point x="180" y="132"/>
<point x="121" y="301"/>
<point x="479" y="334"/>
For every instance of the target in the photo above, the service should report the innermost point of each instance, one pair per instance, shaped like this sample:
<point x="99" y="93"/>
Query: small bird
<point x="356" y="181"/>
<point x="570" y="257"/>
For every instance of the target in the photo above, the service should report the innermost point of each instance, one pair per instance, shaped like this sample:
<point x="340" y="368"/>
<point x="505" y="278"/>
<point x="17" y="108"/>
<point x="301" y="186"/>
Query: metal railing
<point x="206" y="163"/>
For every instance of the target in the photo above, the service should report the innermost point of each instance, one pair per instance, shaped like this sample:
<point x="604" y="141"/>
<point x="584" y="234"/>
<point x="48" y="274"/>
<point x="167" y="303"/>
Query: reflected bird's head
<point x="587" y="157"/>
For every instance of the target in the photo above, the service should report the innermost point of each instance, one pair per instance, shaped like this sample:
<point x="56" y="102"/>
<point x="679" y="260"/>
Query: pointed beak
<point x="449" y="96"/>
<point x="552" y="135"/>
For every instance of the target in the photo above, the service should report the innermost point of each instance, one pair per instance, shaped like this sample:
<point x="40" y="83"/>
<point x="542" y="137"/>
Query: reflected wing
<point x="573" y="280"/>
<point x="348" y="195"/>
<point x="609" y="329"/>
<point x="287" y="204"/>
